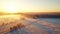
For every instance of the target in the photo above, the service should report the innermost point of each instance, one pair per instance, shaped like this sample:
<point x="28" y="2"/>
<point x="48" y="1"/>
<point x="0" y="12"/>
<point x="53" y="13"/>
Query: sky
<point x="30" y="5"/>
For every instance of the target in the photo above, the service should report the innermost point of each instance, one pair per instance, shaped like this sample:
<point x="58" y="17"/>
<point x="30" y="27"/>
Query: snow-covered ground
<point x="31" y="26"/>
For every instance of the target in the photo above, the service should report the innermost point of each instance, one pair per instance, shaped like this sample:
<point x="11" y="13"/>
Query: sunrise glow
<point x="10" y="8"/>
<point x="14" y="6"/>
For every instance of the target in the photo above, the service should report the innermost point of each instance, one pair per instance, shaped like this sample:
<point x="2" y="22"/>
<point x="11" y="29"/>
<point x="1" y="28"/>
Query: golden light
<point x="11" y="8"/>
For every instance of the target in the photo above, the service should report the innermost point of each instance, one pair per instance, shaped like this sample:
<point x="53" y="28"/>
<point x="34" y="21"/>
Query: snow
<point x="29" y="26"/>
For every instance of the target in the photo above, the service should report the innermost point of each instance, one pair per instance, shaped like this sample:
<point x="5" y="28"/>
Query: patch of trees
<point x="47" y="16"/>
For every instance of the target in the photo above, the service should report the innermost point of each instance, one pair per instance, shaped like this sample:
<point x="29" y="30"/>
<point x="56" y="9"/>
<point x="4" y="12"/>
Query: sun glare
<point x="10" y="8"/>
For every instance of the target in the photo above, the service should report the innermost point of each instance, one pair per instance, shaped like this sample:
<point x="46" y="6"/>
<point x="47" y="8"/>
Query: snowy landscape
<point x="18" y="25"/>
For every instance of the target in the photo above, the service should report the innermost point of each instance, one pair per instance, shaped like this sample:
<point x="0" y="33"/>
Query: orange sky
<point x="14" y="6"/>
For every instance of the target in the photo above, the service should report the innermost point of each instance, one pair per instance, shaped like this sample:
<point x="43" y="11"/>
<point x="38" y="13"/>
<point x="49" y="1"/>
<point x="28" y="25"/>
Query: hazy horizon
<point x="29" y="6"/>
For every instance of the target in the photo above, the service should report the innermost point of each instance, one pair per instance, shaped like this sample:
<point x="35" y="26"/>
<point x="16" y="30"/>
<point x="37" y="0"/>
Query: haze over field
<point x="29" y="16"/>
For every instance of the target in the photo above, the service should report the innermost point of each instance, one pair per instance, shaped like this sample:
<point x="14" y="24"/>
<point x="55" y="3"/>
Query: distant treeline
<point x="37" y="15"/>
<point x="43" y="14"/>
<point x="48" y="16"/>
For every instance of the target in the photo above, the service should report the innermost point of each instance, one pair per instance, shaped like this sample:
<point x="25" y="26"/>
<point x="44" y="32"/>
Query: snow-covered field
<point x="29" y="25"/>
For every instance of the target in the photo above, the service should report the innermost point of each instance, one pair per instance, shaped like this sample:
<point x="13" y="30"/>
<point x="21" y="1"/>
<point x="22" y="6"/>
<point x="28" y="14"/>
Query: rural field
<point x="15" y="24"/>
<point x="29" y="16"/>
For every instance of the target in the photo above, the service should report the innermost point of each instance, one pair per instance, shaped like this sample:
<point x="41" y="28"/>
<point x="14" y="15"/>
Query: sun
<point x="10" y="8"/>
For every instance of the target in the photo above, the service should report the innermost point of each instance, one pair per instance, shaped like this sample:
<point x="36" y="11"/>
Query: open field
<point x="19" y="25"/>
